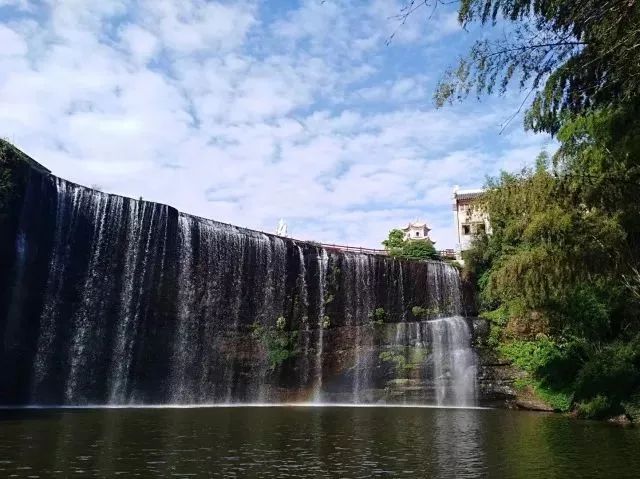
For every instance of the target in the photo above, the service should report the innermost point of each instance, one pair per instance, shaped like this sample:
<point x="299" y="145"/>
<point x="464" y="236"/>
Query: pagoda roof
<point x="416" y="225"/>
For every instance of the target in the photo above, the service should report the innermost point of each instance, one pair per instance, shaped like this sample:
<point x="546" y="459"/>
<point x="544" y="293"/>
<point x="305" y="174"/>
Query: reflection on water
<point x="310" y="442"/>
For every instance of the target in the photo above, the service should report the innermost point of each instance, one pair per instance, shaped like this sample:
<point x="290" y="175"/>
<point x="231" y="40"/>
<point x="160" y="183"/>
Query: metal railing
<point x="353" y="249"/>
<point x="445" y="253"/>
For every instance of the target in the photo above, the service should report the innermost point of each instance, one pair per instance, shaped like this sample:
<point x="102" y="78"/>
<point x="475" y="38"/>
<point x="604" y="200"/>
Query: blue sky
<point x="247" y="112"/>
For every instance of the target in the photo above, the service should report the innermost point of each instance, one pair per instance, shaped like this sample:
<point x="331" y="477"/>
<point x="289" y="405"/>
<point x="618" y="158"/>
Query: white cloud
<point x="11" y="43"/>
<point x="212" y="108"/>
<point x="141" y="44"/>
<point x="198" y="25"/>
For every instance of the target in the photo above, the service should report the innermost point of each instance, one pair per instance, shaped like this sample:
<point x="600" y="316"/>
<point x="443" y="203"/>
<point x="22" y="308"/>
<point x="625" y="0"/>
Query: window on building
<point x="480" y="229"/>
<point x="466" y="229"/>
<point x="417" y="233"/>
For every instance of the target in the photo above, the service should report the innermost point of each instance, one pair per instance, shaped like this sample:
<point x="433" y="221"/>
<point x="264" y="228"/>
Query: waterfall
<point x="134" y="302"/>
<point x="453" y="362"/>
<point x="323" y="262"/>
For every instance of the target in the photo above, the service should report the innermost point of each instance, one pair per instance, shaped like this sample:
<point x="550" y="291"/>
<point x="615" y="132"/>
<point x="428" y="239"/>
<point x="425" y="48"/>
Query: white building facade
<point x="469" y="219"/>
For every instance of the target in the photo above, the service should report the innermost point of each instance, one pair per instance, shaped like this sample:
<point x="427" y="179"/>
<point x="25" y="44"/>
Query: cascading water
<point x="323" y="261"/>
<point x="453" y="362"/>
<point x="118" y="301"/>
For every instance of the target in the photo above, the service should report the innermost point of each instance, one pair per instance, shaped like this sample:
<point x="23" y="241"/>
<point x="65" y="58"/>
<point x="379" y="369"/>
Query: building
<point x="417" y="231"/>
<point x="469" y="219"/>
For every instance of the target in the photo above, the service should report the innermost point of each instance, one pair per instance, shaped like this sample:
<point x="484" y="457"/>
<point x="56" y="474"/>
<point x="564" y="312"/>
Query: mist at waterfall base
<point x="113" y="301"/>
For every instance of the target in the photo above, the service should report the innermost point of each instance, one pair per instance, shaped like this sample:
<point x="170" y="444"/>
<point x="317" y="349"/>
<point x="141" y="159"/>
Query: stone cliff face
<point x="108" y="300"/>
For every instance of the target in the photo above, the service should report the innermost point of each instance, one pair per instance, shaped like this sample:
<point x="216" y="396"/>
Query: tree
<point x="574" y="56"/>
<point x="558" y="277"/>
<point x="545" y="247"/>
<point x="419" y="249"/>
<point x="398" y="246"/>
<point x="559" y="286"/>
<point x="395" y="242"/>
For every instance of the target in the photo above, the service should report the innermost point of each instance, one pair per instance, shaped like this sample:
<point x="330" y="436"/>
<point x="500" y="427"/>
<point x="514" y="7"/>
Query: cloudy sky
<point x="319" y="112"/>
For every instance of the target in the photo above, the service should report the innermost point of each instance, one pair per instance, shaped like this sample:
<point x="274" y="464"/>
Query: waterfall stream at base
<point x="118" y="301"/>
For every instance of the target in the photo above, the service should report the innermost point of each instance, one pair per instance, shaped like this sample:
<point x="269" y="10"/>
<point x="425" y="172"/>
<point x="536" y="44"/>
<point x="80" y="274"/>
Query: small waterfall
<point x="361" y="299"/>
<point x="323" y="263"/>
<point x="453" y="362"/>
<point x="182" y="391"/>
<point x="134" y="302"/>
<point x="125" y="326"/>
<point x="303" y="312"/>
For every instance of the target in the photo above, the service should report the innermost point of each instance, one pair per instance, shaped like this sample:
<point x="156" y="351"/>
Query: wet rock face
<point x="110" y="300"/>
<point x="496" y="376"/>
<point x="372" y="363"/>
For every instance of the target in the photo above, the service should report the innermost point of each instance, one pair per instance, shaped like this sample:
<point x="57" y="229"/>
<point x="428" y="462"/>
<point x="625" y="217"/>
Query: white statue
<point x="281" y="230"/>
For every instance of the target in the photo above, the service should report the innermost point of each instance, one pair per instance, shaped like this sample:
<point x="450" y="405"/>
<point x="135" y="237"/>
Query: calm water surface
<point x="301" y="442"/>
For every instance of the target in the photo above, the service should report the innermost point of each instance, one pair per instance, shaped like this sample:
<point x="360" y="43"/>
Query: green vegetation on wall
<point x="7" y="180"/>
<point x="404" y="359"/>
<point x="279" y="343"/>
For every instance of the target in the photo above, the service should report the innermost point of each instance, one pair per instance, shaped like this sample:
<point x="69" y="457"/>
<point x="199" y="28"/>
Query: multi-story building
<point x="469" y="219"/>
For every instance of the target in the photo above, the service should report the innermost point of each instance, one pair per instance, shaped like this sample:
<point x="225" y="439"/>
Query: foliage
<point x="562" y="260"/>
<point x="612" y="370"/>
<point x="497" y="321"/>
<point x="404" y="358"/>
<point x="419" y="249"/>
<point x="7" y="161"/>
<point x="558" y="276"/>
<point x="425" y="313"/>
<point x="597" y="408"/>
<point x="279" y="343"/>
<point x="632" y="407"/>
<point x="395" y="240"/>
<point x="547" y="253"/>
<point x="575" y="56"/>
<point x="326" y="322"/>
<point x="559" y="400"/>
<point x="400" y="247"/>
<point x="378" y="316"/>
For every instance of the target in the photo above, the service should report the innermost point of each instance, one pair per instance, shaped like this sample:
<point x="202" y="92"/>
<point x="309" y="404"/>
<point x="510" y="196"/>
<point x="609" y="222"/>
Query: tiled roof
<point x="416" y="225"/>
<point x="468" y="195"/>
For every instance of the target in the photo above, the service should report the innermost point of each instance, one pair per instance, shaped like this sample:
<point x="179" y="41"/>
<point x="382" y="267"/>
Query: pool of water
<point x="311" y="442"/>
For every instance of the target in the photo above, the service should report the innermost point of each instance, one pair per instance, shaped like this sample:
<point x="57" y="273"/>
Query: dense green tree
<point x="559" y="277"/>
<point x="575" y="56"/>
<point x="561" y="289"/>
<point x="419" y="249"/>
<point x="546" y="248"/>
<point x="398" y="246"/>
<point x="395" y="242"/>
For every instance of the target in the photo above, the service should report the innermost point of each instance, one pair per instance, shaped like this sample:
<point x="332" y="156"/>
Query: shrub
<point x="553" y="365"/>
<point x="597" y="408"/>
<point x="531" y="356"/>
<point x="379" y="315"/>
<point x="632" y="407"/>
<point x="559" y="400"/>
<point x="404" y="359"/>
<point x="397" y="246"/>
<point x="612" y="371"/>
<point x="279" y="343"/>
<point x="425" y="313"/>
